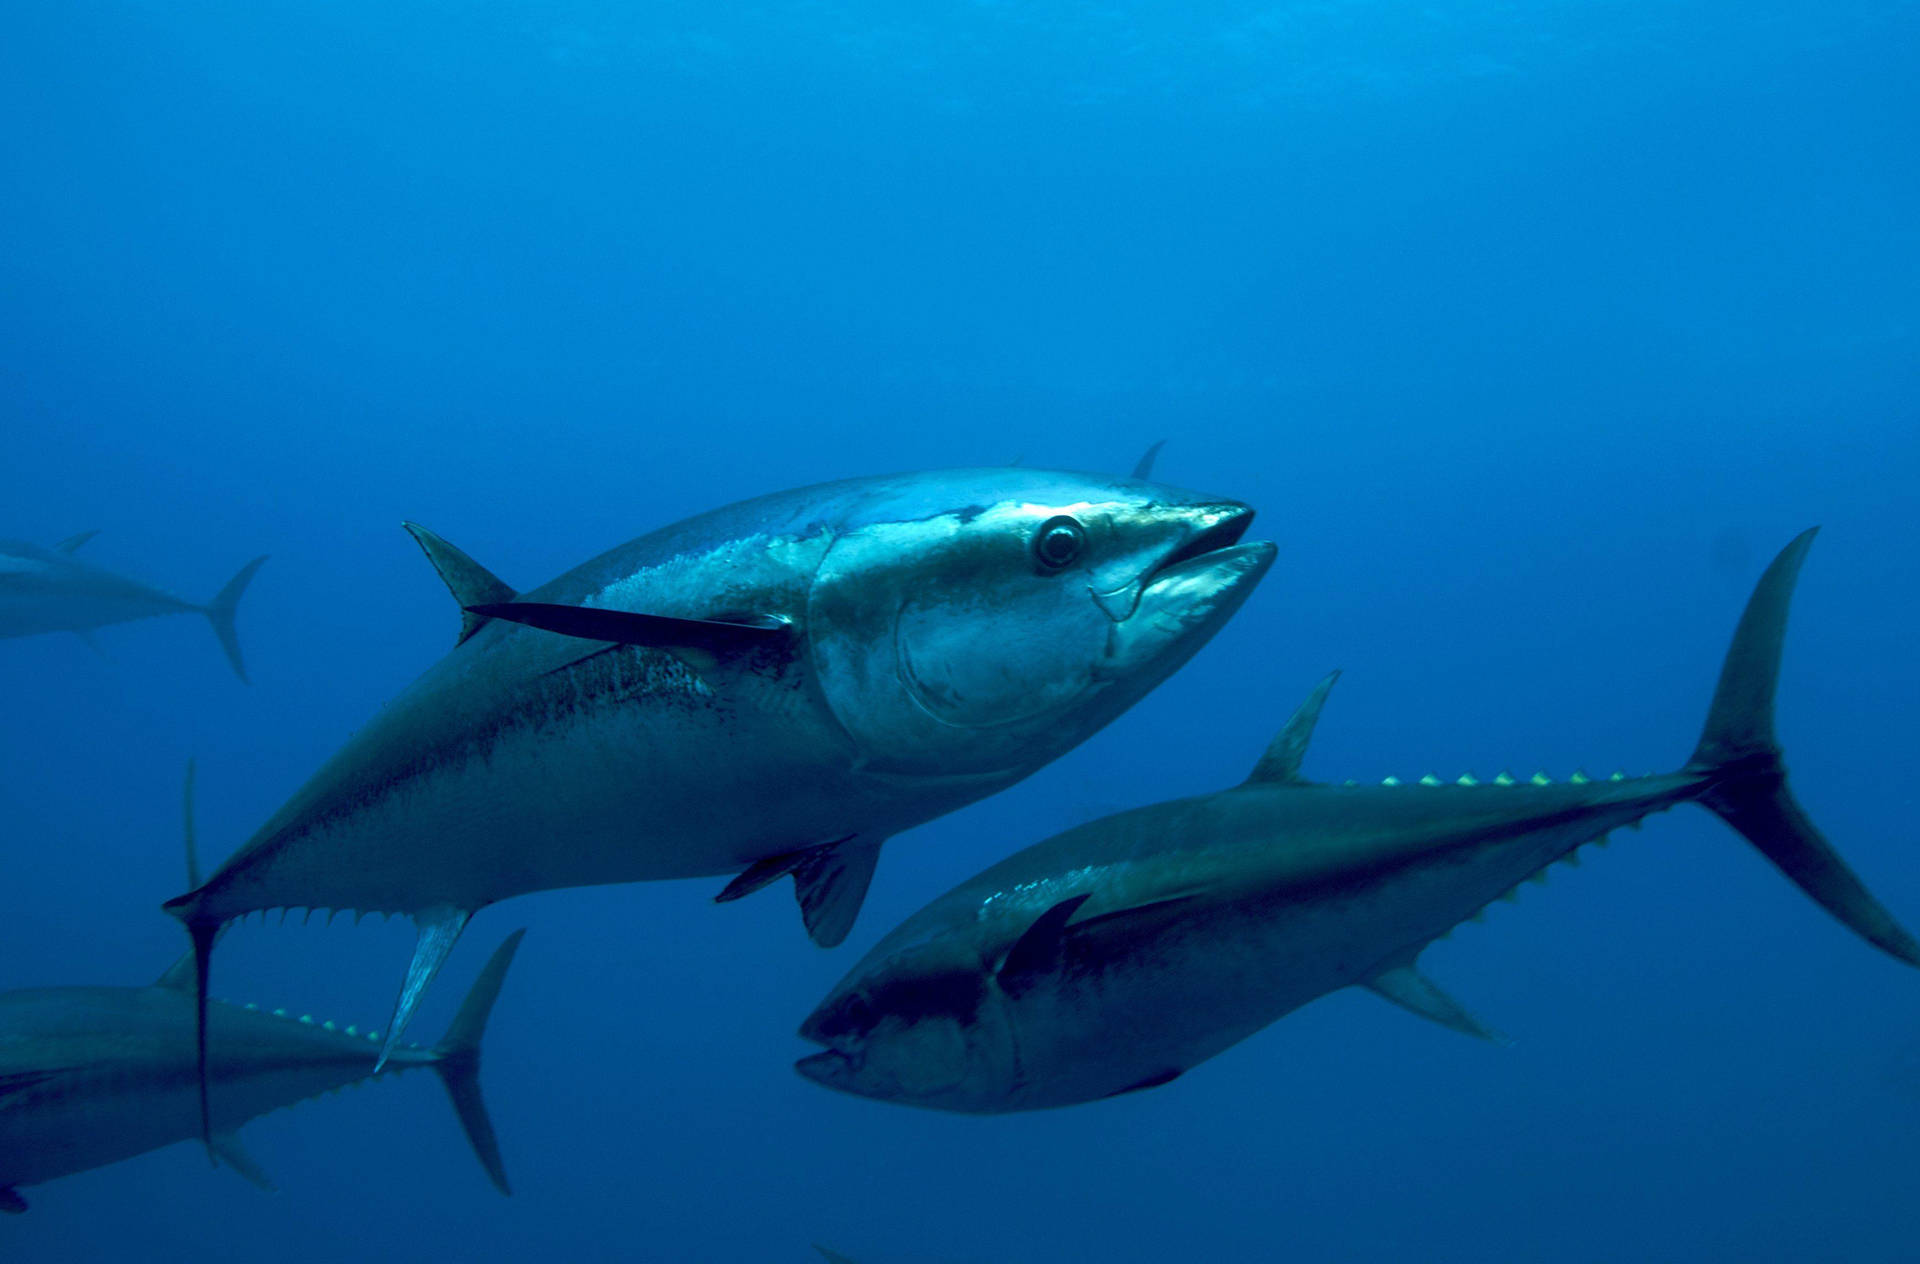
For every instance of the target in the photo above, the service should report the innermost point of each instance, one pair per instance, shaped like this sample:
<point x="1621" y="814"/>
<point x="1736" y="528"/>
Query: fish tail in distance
<point x="220" y="610"/>
<point x="459" y="1060"/>
<point x="1746" y="776"/>
<point x="204" y="932"/>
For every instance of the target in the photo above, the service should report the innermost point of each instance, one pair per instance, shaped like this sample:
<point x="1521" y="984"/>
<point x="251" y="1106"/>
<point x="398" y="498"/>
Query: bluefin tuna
<point x="1122" y="953"/>
<point x="93" y="1075"/>
<point x="51" y="590"/>
<point x="771" y="689"/>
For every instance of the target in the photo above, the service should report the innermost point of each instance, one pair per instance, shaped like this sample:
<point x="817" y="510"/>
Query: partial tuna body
<point x="1120" y="954"/>
<point x="52" y="590"/>
<point x="93" y="1075"/>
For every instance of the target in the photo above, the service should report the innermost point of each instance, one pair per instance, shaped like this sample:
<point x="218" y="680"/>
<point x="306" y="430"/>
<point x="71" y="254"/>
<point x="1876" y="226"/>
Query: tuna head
<point x="989" y="639"/>
<point x="926" y="1026"/>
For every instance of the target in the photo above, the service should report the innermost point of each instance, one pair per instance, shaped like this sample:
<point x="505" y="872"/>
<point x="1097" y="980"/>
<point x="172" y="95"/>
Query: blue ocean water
<point x="1531" y="331"/>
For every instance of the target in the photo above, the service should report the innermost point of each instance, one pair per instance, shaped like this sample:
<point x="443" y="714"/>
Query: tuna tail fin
<point x="204" y="932"/>
<point x="219" y="613"/>
<point x="459" y="1064"/>
<point x="1746" y="776"/>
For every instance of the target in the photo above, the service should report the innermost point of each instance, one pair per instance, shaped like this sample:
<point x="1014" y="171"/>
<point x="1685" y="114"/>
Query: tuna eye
<point x="1058" y="543"/>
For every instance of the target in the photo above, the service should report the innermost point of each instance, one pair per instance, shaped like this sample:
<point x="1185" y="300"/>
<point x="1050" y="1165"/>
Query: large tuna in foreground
<point x="51" y="590"/>
<point x="93" y="1075"/>
<point x="1122" y="953"/>
<point x="774" y="688"/>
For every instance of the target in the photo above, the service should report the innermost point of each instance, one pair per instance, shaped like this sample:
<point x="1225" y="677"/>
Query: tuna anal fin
<point x="227" y="1146"/>
<point x="470" y="583"/>
<point x="459" y="1064"/>
<point x="73" y="542"/>
<point x="1281" y="764"/>
<point x="10" y="1201"/>
<point x="1414" y="992"/>
<point x="624" y="627"/>
<point x="439" y="931"/>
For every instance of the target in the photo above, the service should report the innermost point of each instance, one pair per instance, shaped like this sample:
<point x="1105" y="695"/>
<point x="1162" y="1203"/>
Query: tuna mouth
<point x="1213" y="544"/>
<point x="1222" y="533"/>
<point x="830" y="1067"/>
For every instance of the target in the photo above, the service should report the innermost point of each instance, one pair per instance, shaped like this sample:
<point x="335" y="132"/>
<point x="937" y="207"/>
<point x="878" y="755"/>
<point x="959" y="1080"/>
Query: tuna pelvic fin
<point x="73" y="542"/>
<point x="470" y="583"/>
<point x="1281" y="764"/>
<point x="1412" y="991"/>
<point x="227" y="1146"/>
<point x="830" y="882"/>
<point x="459" y="1064"/>
<point x="1746" y="778"/>
<point x="220" y="612"/>
<point x="624" y="627"/>
<point x="439" y="931"/>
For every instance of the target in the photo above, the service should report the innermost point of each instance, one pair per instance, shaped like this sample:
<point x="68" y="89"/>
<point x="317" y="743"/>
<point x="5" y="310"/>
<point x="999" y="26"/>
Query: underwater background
<point x="1530" y="330"/>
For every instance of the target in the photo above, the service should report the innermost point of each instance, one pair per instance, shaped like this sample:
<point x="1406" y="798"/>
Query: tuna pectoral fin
<point x="459" y="1064"/>
<point x="470" y="583"/>
<point x="439" y="931"/>
<point x="227" y="1146"/>
<point x="1038" y="951"/>
<point x="10" y="1201"/>
<point x="1417" y="994"/>
<point x="1745" y="778"/>
<point x="73" y="542"/>
<point x="830" y="881"/>
<point x="623" y="627"/>
<point x="220" y="611"/>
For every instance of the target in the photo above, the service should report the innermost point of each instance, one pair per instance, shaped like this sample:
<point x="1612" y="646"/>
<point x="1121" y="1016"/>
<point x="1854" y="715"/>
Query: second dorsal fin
<point x="1281" y="763"/>
<point x="470" y="583"/>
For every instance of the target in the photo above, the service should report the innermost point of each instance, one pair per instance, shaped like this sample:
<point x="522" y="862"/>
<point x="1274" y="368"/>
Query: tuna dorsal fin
<point x="624" y="627"/>
<point x="73" y="542"/>
<point x="177" y="977"/>
<point x="1281" y="763"/>
<point x="1412" y="991"/>
<point x="439" y="931"/>
<point x="1037" y="951"/>
<point x="1143" y="468"/>
<point x="227" y="1146"/>
<point x="470" y="583"/>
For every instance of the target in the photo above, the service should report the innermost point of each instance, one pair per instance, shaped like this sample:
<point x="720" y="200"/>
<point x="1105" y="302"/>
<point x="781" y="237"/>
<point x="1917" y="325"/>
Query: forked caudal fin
<point x="219" y="613"/>
<point x="1747" y="778"/>
<point x="459" y="1064"/>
